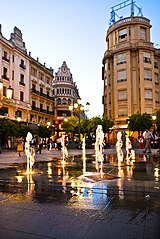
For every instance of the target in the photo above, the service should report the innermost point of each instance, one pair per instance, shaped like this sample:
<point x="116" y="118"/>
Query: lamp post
<point x="78" y="109"/>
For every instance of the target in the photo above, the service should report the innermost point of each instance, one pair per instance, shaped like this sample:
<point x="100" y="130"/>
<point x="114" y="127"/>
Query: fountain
<point x="130" y="156"/>
<point x="99" y="144"/>
<point x="30" y="153"/>
<point x="119" y="145"/>
<point x="64" y="149"/>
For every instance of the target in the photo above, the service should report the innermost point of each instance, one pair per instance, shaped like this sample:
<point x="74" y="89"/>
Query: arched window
<point x="64" y="102"/>
<point x="69" y="101"/>
<point x="58" y="101"/>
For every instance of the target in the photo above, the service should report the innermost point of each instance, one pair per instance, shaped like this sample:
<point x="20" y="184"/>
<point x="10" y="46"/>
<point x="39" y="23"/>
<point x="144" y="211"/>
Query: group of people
<point x="36" y="142"/>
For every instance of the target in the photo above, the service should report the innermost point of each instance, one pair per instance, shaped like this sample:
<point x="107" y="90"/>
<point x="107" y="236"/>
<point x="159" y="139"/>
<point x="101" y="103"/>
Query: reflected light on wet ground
<point x="67" y="184"/>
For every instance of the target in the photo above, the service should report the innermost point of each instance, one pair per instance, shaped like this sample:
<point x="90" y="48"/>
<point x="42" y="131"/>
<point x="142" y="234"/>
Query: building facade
<point x="32" y="100"/>
<point x="131" y="70"/>
<point x="41" y="94"/>
<point x="65" y="93"/>
<point x="14" y="72"/>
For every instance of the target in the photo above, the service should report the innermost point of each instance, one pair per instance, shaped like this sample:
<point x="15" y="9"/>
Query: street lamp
<point x="78" y="109"/>
<point x="9" y="93"/>
<point x="154" y="117"/>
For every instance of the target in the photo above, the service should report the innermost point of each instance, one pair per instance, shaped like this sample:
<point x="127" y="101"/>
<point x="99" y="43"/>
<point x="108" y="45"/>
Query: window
<point x="33" y="72"/>
<point x="157" y="97"/>
<point x="33" y="104"/>
<point x="147" y="74"/>
<point x="57" y="91"/>
<point x="121" y="76"/>
<point x="146" y="57"/>
<point x="121" y="59"/>
<point x="12" y="75"/>
<point x="47" y="93"/>
<point x="33" y="86"/>
<point x="142" y="33"/>
<point x="64" y="102"/>
<point x="22" y="65"/>
<point x="122" y="95"/>
<point x="5" y="73"/>
<point x="47" y="108"/>
<point x="122" y="112"/>
<point x="122" y="34"/>
<point x="41" y="106"/>
<point x="18" y="113"/>
<point x="156" y="63"/>
<point x="148" y="94"/>
<point x="41" y="90"/>
<point x="41" y="76"/>
<point x="69" y="101"/>
<point x="21" y="79"/>
<point x="156" y="79"/>
<point x="58" y="101"/>
<point x="21" y="96"/>
<point x="47" y="80"/>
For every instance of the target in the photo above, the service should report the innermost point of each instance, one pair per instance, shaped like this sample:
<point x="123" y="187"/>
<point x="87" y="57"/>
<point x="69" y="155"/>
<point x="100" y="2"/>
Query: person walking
<point x="147" y="135"/>
<point x="20" y="145"/>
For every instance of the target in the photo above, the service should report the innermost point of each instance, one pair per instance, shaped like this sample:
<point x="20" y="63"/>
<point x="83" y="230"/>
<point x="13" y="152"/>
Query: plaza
<point x="46" y="206"/>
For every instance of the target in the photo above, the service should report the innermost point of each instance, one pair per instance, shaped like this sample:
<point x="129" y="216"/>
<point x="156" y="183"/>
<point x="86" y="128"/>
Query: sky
<point x="73" y="31"/>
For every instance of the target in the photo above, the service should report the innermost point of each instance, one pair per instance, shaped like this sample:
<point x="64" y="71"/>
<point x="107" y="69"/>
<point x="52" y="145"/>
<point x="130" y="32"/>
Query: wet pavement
<point x="61" y="202"/>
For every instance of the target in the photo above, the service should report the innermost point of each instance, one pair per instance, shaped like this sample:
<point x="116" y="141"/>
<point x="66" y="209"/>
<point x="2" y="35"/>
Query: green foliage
<point x="44" y="132"/>
<point x="93" y="122"/>
<point x="71" y="125"/>
<point x="139" y="122"/>
<point x="8" y="127"/>
<point x="107" y="123"/>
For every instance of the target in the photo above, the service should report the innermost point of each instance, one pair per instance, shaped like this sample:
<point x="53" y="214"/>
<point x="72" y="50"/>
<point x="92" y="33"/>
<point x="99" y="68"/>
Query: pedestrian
<point x="147" y="135"/>
<point x="19" y="145"/>
<point x="141" y="142"/>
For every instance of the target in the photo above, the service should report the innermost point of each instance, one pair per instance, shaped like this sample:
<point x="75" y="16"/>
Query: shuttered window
<point x="121" y="59"/>
<point x="148" y="94"/>
<point x="122" y="33"/>
<point x="147" y="57"/>
<point x="122" y="95"/>
<point x="121" y="76"/>
<point x="122" y="112"/>
<point x="143" y="33"/>
<point x="147" y="74"/>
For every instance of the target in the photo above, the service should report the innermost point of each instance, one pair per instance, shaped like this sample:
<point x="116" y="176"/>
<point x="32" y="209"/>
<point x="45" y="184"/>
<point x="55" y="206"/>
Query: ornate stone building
<point x="32" y="100"/>
<point x="42" y="108"/>
<point x="131" y="70"/>
<point x="14" y="72"/>
<point x="65" y="93"/>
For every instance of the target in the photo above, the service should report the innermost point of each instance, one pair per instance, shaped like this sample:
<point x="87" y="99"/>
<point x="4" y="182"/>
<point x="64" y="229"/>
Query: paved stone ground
<point x="125" y="216"/>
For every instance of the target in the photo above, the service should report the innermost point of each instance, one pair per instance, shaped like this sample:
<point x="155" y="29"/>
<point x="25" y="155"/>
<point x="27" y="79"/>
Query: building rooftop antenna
<point x="123" y="5"/>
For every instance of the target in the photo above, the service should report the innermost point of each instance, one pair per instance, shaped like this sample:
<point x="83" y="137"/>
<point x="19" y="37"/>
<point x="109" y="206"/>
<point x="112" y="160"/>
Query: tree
<point x="44" y="132"/>
<point x="71" y="125"/>
<point x="107" y="123"/>
<point x="139" y="122"/>
<point x="8" y="127"/>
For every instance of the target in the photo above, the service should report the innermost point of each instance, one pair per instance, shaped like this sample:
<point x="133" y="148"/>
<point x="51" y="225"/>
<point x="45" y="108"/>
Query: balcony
<point x="41" y="94"/>
<point x="5" y="77"/>
<point x="5" y="58"/>
<point x="22" y="66"/>
<point x="22" y="83"/>
<point x="42" y="110"/>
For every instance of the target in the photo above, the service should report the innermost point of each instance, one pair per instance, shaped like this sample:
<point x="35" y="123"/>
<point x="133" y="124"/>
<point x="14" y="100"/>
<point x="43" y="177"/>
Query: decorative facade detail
<point x="65" y="93"/>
